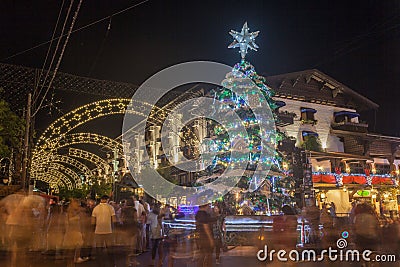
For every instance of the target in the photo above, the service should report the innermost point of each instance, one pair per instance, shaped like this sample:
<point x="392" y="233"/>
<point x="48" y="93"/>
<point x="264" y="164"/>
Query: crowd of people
<point x="82" y="230"/>
<point x="367" y="230"/>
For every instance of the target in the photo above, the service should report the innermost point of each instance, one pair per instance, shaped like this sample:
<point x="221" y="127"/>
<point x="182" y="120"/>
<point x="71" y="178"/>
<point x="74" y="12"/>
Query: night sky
<point x="355" y="42"/>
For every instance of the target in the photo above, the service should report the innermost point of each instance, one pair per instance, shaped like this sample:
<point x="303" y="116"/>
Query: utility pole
<point x="115" y="163"/>
<point x="26" y="141"/>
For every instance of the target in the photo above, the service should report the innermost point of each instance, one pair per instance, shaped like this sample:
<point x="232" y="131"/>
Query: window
<point x="308" y="134"/>
<point x="345" y="116"/>
<point x="356" y="167"/>
<point x="311" y="141"/>
<point x="382" y="168"/>
<point x="307" y="115"/>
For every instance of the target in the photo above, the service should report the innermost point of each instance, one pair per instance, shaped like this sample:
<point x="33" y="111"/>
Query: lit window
<point x="307" y="114"/>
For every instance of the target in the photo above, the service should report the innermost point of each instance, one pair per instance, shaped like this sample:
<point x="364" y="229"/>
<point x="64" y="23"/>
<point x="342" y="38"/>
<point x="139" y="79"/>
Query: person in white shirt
<point x="147" y="230"/>
<point x="103" y="217"/>
<point x="156" y="234"/>
<point x="141" y="224"/>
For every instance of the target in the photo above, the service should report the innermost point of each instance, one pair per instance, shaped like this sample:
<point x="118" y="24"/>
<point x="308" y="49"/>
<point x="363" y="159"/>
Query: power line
<point x="79" y="29"/>
<point x="60" y="57"/>
<point x="52" y="37"/>
<point x="54" y="54"/>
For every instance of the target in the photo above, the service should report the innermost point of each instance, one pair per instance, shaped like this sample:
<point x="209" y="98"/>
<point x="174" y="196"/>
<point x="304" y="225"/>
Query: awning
<point x="309" y="133"/>
<point x="349" y="114"/>
<point x="308" y="110"/>
<point x="280" y="104"/>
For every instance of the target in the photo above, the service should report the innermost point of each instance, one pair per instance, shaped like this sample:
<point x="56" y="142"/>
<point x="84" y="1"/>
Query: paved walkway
<point x="234" y="257"/>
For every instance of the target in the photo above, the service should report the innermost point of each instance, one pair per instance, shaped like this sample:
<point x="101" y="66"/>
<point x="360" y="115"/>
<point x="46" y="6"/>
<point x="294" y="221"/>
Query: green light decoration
<point x="363" y="193"/>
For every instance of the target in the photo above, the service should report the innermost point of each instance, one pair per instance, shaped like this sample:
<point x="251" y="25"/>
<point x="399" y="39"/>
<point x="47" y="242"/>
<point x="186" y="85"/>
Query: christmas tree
<point x="247" y="94"/>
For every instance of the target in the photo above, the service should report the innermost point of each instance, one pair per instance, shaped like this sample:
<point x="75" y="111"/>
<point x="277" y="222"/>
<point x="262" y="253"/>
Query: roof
<point x="317" y="87"/>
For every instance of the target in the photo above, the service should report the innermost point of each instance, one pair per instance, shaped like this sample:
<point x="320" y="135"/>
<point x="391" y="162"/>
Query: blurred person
<point x="19" y="224"/>
<point x="129" y="230"/>
<point x="351" y="213"/>
<point x="156" y="234"/>
<point x="55" y="227"/>
<point x="139" y="210"/>
<point x="332" y="209"/>
<point x="326" y="221"/>
<point x="218" y="233"/>
<point x="167" y="210"/>
<point x="312" y="215"/>
<point x="390" y="234"/>
<point x="103" y="217"/>
<point x="116" y="230"/>
<point x="73" y="238"/>
<point x="285" y="229"/>
<point x="38" y="219"/>
<point x="3" y="230"/>
<point x="146" y="206"/>
<point x="87" y="228"/>
<point x="205" y="240"/>
<point x="142" y="230"/>
<point x="366" y="227"/>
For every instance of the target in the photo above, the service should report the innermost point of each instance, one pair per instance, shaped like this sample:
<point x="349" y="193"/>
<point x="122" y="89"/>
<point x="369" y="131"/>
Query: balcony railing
<point x="360" y="127"/>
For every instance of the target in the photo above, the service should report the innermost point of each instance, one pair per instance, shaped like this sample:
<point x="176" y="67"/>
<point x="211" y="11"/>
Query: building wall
<point x="324" y="117"/>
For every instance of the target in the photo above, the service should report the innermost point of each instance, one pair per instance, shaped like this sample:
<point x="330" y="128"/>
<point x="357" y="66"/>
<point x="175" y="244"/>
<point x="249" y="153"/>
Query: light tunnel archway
<point x="57" y="136"/>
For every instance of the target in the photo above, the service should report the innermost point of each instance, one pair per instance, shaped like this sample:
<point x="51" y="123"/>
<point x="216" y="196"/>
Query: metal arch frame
<point x="48" y="178"/>
<point x="86" y="113"/>
<point x="55" y="173"/>
<point x="72" y="162"/>
<point x="77" y="138"/>
<point x="94" y="110"/>
<point x="85" y="138"/>
<point x="86" y="155"/>
<point x="68" y="171"/>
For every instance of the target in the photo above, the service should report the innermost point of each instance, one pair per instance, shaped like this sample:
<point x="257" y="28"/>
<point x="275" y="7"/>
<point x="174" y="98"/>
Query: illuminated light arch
<point x="70" y="161"/>
<point x="86" y="138"/>
<point x="55" y="176"/>
<point x="61" y="168"/>
<point x="89" y="112"/>
<point x="49" y="179"/>
<point x="48" y="158"/>
<point x="60" y="128"/>
<point x="86" y="155"/>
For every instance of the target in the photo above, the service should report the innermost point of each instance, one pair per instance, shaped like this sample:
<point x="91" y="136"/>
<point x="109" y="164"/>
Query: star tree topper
<point x="244" y="40"/>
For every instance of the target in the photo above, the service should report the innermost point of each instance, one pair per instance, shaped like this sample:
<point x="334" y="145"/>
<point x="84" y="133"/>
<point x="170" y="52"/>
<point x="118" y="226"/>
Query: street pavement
<point x="235" y="257"/>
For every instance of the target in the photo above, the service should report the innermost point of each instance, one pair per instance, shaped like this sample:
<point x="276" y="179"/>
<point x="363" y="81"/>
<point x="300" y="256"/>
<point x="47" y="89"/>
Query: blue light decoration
<point x="309" y="133"/>
<point x="349" y="114"/>
<point x="188" y="210"/>
<point x="345" y="234"/>
<point x="308" y="110"/>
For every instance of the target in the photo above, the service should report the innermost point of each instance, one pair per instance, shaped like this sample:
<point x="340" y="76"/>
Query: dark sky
<point x="355" y="42"/>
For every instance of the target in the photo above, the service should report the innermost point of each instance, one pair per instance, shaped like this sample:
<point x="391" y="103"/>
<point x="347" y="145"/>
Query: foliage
<point x="309" y="121"/>
<point x="11" y="130"/>
<point x="312" y="143"/>
<point x="85" y="191"/>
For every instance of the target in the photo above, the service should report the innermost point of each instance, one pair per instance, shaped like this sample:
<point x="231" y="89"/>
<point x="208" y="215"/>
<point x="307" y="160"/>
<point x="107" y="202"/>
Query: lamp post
<point x="115" y="163"/>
